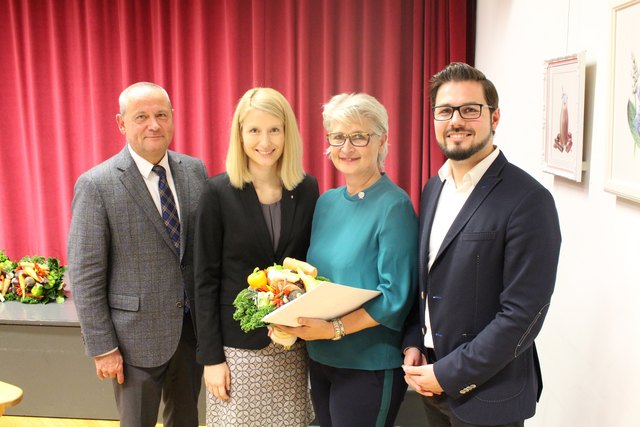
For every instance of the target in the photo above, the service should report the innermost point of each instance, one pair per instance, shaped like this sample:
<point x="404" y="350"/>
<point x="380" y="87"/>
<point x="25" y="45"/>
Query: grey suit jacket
<point x="126" y="279"/>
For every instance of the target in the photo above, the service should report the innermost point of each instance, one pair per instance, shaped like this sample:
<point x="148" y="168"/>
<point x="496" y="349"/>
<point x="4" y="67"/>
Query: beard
<point x="458" y="154"/>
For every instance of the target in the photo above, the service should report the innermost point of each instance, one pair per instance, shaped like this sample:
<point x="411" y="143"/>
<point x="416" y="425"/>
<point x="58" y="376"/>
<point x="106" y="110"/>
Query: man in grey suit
<point x="129" y="267"/>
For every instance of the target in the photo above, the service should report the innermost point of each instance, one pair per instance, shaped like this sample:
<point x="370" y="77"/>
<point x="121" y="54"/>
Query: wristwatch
<point x="338" y="329"/>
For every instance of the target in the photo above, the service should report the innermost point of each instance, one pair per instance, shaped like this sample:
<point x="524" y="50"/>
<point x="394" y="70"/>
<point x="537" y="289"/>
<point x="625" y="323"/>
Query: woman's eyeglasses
<point x="358" y="139"/>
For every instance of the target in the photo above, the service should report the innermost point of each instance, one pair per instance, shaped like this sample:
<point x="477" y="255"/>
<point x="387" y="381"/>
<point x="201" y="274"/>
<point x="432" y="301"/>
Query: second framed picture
<point x="564" y="116"/>
<point x="623" y="160"/>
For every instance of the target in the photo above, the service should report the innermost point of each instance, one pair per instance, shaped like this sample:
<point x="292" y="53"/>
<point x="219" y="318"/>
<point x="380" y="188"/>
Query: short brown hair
<point x="460" y="72"/>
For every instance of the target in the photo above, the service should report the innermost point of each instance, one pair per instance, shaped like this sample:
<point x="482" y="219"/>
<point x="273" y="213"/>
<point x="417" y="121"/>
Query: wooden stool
<point x="10" y="395"/>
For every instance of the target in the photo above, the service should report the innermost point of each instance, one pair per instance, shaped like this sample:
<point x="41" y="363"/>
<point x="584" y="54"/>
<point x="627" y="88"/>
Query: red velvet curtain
<point x="63" y="64"/>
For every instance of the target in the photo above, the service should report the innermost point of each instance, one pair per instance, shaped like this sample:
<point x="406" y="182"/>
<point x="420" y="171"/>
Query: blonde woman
<point x="254" y="215"/>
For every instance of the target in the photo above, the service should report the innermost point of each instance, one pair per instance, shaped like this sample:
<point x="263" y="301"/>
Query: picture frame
<point x="564" y="89"/>
<point x="623" y="154"/>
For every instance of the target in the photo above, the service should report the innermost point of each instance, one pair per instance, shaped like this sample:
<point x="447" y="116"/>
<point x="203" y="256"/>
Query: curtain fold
<point x="65" y="62"/>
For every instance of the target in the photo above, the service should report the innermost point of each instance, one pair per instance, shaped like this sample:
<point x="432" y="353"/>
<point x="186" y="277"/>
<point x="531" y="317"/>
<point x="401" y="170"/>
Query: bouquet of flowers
<point x="271" y="288"/>
<point x="32" y="280"/>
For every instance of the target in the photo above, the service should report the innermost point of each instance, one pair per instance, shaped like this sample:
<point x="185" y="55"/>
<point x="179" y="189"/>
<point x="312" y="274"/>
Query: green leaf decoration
<point x="633" y="124"/>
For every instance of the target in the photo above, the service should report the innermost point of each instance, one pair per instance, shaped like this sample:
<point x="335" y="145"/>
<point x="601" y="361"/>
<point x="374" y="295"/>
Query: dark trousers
<point x="439" y="415"/>
<point x="177" y="382"/>
<point x="354" y="397"/>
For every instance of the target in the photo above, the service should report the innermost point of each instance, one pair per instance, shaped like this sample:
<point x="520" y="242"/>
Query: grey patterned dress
<point x="269" y="388"/>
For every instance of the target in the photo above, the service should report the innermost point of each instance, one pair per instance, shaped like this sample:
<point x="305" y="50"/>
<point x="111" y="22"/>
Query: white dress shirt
<point x="451" y="200"/>
<point x="151" y="179"/>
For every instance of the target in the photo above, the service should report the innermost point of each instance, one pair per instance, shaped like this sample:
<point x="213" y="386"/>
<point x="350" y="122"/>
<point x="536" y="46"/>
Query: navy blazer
<point x="488" y="292"/>
<point x="231" y="239"/>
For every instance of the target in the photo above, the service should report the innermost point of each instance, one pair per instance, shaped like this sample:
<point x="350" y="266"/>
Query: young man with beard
<point x="489" y="247"/>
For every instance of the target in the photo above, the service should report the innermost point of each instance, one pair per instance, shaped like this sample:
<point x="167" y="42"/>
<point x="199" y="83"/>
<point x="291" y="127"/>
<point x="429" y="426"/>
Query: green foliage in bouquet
<point x="250" y="309"/>
<point x="32" y="280"/>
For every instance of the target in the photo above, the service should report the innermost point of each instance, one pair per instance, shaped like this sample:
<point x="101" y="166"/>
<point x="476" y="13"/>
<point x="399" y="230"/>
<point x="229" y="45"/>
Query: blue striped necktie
<point x="168" y="207"/>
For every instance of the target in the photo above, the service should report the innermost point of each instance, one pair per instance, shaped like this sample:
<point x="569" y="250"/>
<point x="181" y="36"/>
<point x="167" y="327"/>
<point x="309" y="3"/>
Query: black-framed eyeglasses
<point x="358" y="139"/>
<point x="467" y="111"/>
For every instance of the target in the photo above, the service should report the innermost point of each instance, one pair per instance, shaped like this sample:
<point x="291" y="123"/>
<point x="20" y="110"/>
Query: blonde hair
<point x="347" y="108"/>
<point x="289" y="166"/>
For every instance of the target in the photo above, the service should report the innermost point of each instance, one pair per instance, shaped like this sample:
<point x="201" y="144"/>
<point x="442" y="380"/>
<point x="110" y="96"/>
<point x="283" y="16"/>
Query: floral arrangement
<point x="271" y="288"/>
<point x="633" y="105"/>
<point x="32" y="280"/>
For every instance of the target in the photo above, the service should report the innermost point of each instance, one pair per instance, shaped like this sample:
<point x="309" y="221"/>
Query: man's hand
<point x="217" y="379"/>
<point x="110" y="366"/>
<point x="421" y="378"/>
<point x="414" y="357"/>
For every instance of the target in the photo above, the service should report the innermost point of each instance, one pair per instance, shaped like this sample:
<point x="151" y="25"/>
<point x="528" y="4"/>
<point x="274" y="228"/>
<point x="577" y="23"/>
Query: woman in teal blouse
<point x="363" y="235"/>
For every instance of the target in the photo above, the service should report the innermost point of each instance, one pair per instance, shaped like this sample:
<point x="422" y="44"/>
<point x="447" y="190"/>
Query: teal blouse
<point x="369" y="241"/>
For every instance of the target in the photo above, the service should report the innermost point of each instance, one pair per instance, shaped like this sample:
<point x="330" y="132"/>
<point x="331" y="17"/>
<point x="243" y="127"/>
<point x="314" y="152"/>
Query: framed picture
<point x="564" y="116"/>
<point x="623" y="160"/>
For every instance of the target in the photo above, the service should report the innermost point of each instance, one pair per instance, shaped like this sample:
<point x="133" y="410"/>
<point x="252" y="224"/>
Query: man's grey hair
<point x="140" y="86"/>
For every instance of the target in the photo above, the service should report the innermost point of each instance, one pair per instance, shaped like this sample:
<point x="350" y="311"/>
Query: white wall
<point x="590" y="343"/>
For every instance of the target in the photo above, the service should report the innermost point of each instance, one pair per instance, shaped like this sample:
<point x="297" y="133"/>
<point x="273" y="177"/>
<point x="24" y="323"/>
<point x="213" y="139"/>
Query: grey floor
<point x="411" y="412"/>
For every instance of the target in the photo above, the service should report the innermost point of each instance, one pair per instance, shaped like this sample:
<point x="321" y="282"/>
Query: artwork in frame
<point x="564" y="116"/>
<point x="623" y="160"/>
